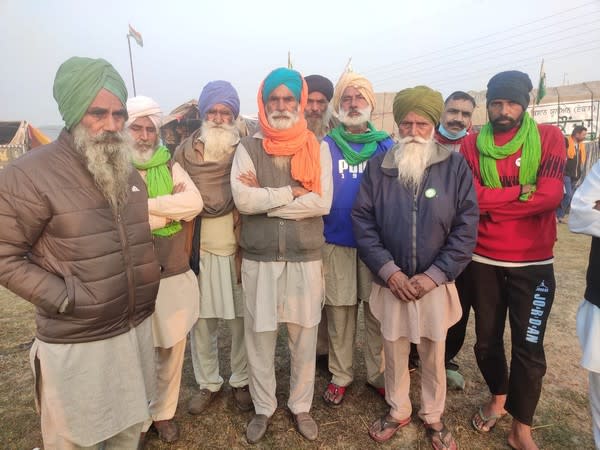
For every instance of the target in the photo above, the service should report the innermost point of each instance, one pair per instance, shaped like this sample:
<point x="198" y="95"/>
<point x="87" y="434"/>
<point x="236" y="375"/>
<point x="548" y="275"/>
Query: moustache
<point x="456" y="123"/>
<point x="108" y="137"/>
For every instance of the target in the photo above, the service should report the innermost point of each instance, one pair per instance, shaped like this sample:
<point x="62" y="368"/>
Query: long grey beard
<point x="108" y="158"/>
<point x="219" y="141"/>
<point x="319" y="126"/>
<point x="412" y="158"/>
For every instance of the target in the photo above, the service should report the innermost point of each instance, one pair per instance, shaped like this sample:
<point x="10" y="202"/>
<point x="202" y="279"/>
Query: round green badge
<point x="430" y="193"/>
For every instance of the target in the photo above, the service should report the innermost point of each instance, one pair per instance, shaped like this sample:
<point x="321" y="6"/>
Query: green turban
<point x="421" y="100"/>
<point x="78" y="81"/>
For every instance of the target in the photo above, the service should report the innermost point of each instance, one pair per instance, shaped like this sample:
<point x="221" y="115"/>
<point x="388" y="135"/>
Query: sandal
<point x="487" y="423"/>
<point x="334" y="395"/>
<point x="383" y="429"/>
<point x="440" y="439"/>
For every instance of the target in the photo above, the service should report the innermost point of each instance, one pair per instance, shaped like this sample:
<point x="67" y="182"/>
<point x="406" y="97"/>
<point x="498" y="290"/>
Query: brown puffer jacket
<point x="60" y="239"/>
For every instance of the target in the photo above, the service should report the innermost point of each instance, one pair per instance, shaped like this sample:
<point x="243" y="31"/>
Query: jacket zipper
<point x="128" y="270"/>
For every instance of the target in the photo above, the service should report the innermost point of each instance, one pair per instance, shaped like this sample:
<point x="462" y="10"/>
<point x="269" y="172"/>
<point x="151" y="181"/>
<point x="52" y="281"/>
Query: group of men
<point x="293" y="225"/>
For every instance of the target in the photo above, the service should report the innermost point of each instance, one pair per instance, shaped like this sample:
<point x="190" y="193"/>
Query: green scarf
<point x="341" y="137"/>
<point x="159" y="182"/>
<point x="527" y="137"/>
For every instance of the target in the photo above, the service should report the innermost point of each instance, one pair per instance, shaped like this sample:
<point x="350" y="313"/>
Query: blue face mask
<point x="450" y="135"/>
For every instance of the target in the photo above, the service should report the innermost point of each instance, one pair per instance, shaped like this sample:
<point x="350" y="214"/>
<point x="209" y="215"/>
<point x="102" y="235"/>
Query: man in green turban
<point x="347" y="280"/>
<point x="518" y="169"/>
<point x="415" y="224"/>
<point x="76" y="243"/>
<point x="173" y="198"/>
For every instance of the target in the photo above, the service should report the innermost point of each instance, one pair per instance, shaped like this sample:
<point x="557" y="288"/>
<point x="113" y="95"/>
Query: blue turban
<point x="77" y="83"/>
<point x="288" y="77"/>
<point x="219" y="91"/>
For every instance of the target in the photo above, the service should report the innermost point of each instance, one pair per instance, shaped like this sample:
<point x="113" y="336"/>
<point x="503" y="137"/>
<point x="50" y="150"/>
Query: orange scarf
<point x="297" y="142"/>
<point x="571" y="149"/>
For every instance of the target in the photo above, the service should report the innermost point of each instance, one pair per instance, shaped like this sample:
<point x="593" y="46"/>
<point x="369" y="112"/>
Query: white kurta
<point x="584" y="218"/>
<point x="429" y="317"/>
<point x="95" y="390"/>
<point x="177" y="306"/>
<point x="277" y="292"/>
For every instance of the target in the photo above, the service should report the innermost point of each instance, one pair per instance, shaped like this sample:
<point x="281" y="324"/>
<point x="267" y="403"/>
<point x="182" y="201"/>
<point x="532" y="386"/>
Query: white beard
<point x="142" y="152"/>
<point x="108" y="158"/>
<point x="282" y="123"/>
<point x="353" y="121"/>
<point x="219" y="140"/>
<point x="412" y="158"/>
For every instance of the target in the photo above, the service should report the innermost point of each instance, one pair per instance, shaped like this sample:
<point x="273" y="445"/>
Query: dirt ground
<point x="562" y="420"/>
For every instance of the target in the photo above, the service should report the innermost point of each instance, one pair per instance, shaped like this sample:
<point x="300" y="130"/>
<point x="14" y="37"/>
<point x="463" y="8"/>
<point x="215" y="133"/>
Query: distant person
<point x="517" y="171"/>
<point x="415" y="222"/>
<point x="207" y="156"/>
<point x="319" y="120"/>
<point x="76" y="243"/>
<point x="318" y="113"/>
<point x="347" y="279"/>
<point x="281" y="184"/>
<point x="585" y="218"/>
<point x="173" y="198"/>
<point x="576" y="157"/>
<point x="455" y="125"/>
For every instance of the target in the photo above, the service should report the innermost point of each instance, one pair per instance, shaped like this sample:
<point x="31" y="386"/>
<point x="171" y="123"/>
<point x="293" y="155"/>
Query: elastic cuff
<point x="388" y="269"/>
<point x="436" y="275"/>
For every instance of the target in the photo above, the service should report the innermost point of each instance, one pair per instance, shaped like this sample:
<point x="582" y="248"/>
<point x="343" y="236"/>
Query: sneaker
<point x="306" y="426"/>
<point x="200" y="401"/>
<point x="242" y="398"/>
<point x="257" y="428"/>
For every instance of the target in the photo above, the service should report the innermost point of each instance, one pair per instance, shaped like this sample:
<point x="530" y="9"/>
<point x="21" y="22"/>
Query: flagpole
<point x="131" y="63"/>
<point x="537" y="94"/>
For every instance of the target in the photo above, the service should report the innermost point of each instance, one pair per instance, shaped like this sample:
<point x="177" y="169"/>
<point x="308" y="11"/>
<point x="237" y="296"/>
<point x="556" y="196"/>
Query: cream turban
<point x="356" y="81"/>
<point x="421" y="100"/>
<point x="141" y="106"/>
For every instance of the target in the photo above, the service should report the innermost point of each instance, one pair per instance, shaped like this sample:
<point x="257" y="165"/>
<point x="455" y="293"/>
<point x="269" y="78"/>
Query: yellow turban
<point x="421" y="100"/>
<point x="356" y="81"/>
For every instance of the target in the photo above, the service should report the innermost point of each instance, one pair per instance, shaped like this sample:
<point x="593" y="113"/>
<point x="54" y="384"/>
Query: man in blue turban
<point x="206" y="156"/>
<point x="76" y="243"/>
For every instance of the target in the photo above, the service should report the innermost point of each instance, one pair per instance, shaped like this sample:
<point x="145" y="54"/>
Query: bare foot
<point x="520" y="437"/>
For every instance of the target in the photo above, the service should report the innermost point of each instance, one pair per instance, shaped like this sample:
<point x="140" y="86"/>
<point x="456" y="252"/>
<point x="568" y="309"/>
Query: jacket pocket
<point x="79" y="295"/>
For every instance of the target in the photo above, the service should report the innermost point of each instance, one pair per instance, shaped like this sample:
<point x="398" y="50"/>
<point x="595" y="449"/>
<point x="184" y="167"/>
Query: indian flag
<point x="136" y="35"/>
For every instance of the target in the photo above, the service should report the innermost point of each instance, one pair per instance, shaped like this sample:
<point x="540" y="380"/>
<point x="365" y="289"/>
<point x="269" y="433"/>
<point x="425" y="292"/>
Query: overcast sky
<point x="448" y="45"/>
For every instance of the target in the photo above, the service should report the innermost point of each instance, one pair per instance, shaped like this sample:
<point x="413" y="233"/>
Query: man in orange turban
<point x="281" y="185"/>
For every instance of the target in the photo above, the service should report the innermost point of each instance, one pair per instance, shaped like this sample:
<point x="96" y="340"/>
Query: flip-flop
<point x="334" y="395"/>
<point x="439" y="438"/>
<point x="384" y="428"/>
<point x="485" y="426"/>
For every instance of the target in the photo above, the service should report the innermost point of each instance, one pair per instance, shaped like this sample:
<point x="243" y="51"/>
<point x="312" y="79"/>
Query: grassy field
<point x="562" y="420"/>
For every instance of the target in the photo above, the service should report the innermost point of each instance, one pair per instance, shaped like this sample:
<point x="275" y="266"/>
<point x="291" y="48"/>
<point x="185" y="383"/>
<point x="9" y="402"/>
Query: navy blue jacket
<point x="431" y="230"/>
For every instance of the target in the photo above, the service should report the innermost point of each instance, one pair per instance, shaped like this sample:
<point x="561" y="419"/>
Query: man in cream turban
<point x="281" y="183"/>
<point x="347" y="279"/>
<point x="207" y="155"/>
<point x="173" y="198"/>
<point x="415" y="223"/>
<point x="76" y="243"/>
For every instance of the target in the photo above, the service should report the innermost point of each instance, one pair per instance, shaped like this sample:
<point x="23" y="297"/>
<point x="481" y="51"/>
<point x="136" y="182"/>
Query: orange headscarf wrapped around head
<point x="297" y="142"/>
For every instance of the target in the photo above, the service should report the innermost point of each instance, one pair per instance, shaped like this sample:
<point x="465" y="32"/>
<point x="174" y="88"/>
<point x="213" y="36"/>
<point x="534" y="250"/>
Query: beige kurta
<point x="429" y="317"/>
<point x="96" y="389"/>
<point x="220" y="292"/>
<point x="176" y="304"/>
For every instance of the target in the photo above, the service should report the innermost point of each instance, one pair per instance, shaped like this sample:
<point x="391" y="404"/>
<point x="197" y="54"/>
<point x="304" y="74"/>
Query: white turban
<point x="141" y="106"/>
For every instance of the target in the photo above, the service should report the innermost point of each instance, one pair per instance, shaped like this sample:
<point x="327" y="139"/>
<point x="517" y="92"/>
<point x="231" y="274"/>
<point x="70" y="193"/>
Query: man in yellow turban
<point x="347" y="280"/>
<point x="76" y="243"/>
<point x="415" y="224"/>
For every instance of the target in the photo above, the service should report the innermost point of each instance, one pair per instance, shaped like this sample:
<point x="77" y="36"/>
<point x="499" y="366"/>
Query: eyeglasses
<point x="409" y="125"/>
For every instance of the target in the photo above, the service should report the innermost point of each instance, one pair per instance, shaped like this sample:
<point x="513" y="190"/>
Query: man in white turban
<point x="172" y="197"/>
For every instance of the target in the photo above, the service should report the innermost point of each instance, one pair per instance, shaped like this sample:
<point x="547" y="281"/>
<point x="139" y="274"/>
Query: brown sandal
<point x="384" y="428"/>
<point x="440" y="439"/>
